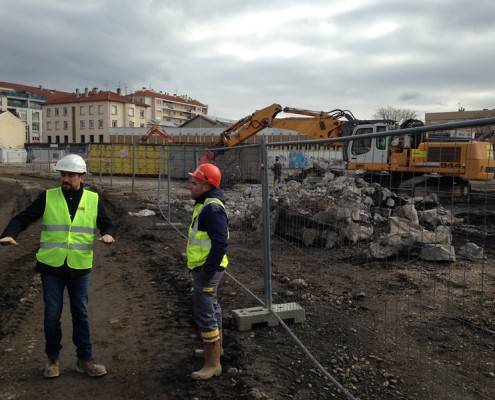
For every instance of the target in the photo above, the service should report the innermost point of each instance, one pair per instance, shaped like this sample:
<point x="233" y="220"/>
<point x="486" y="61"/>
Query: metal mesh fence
<point x="384" y="242"/>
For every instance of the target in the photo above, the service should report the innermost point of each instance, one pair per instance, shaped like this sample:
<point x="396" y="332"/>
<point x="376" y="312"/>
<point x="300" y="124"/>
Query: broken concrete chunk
<point x="471" y="251"/>
<point x="438" y="252"/>
<point x="408" y="212"/>
<point x="331" y="240"/>
<point x="309" y="236"/>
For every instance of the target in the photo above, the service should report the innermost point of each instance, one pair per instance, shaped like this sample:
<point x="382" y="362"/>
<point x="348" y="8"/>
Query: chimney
<point x="94" y="91"/>
<point x="118" y="91"/>
<point x="86" y="92"/>
<point x="40" y="87"/>
<point x="77" y="92"/>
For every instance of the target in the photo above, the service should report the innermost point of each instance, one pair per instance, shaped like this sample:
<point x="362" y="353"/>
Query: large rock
<point x="389" y="245"/>
<point x="471" y="251"/>
<point x="438" y="252"/>
<point x="355" y="232"/>
<point x="408" y="212"/>
<point x="309" y="237"/>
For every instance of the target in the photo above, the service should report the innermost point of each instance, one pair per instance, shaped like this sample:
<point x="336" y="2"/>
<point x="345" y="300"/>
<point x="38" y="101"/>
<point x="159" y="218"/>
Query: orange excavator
<point x="410" y="162"/>
<point x="156" y="130"/>
<point x="313" y="124"/>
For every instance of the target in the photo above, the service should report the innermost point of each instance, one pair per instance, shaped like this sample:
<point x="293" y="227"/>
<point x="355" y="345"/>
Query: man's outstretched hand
<point x="107" y="239"/>
<point x="8" y="240"/>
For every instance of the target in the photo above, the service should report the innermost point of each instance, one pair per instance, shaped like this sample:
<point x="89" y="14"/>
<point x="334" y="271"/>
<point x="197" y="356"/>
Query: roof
<point x="92" y="97"/>
<point x="166" y="96"/>
<point x="214" y="120"/>
<point x="39" y="90"/>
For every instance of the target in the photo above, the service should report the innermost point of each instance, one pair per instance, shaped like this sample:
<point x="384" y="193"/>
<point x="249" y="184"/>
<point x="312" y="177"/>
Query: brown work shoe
<point x="90" y="368"/>
<point x="52" y="369"/>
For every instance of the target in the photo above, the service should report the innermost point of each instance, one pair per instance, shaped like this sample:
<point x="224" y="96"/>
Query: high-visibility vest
<point x="62" y="238"/>
<point x="199" y="243"/>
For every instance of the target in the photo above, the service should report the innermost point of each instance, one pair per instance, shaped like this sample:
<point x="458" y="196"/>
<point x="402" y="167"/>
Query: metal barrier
<point x="385" y="245"/>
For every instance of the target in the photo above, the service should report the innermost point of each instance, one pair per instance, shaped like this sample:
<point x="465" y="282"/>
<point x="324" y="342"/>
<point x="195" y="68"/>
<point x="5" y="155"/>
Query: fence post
<point x="169" y="172"/>
<point x="133" y="164"/>
<point x="111" y="165"/>
<point x="267" y="248"/>
<point x="101" y="156"/>
<point x="160" y="166"/>
<point x="196" y="160"/>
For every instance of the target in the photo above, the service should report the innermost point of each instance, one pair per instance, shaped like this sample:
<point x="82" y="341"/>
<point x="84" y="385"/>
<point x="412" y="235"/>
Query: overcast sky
<point x="241" y="55"/>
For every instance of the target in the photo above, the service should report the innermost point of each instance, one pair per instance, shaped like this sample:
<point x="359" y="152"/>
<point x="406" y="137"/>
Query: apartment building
<point x="85" y="117"/>
<point x="165" y="107"/>
<point x="26" y="103"/>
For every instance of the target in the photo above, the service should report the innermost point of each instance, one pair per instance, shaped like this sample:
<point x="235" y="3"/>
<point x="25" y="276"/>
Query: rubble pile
<point x="332" y="210"/>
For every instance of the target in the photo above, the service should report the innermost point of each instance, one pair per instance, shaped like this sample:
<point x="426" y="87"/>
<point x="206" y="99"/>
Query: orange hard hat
<point x="208" y="173"/>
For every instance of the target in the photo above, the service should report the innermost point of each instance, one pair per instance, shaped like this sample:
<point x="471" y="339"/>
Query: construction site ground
<point x="386" y="330"/>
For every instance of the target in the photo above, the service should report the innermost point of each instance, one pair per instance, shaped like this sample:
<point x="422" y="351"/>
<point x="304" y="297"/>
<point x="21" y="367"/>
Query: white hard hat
<point x="71" y="163"/>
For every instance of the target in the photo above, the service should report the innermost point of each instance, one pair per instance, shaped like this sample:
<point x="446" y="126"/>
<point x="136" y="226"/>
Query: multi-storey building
<point x="85" y="117"/>
<point x="26" y="102"/>
<point x="165" y="107"/>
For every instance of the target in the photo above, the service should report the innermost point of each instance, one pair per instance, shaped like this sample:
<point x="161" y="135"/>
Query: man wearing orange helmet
<point x="207" y="261"/>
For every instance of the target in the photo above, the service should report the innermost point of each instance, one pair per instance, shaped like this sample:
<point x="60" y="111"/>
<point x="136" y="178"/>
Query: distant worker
<point x="69" y="216"/>
<point x="277" y="170"/>
<point x="207" y="260"/>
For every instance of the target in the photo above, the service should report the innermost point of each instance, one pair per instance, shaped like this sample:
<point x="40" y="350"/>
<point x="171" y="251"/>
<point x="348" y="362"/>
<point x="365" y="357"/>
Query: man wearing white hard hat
<point x="70" y="217"/>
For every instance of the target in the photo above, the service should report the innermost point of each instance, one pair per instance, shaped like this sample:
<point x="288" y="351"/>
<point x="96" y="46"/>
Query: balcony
<point x="17" y="103"/>
<point x="23" y="95"/>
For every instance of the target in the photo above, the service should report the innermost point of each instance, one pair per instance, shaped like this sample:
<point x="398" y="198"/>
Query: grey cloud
<point x="438" y="52"/>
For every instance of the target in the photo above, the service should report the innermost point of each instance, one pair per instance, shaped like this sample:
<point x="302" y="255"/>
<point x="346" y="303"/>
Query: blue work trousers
<point x="207" y="313"/>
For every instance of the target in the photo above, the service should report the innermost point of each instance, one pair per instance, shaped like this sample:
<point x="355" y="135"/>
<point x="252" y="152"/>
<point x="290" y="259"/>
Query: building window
<point x="83" y="139"/>
<point x="81" y="124"/>
<point x="101" y="138"/>
<point x="100" y="109"/>
<point x="57" y="139"/>
<point x="114" y="110"/>
<point x="49" y="139"/>
<point x="100" y="124"/>
<point x="91" y="138"/>
<point x="65" y="111"/>
<point x="56" y="112"/>
<point x="130" y="112"/>
<point x="66" y="125"/>
<point x="141" y="113"/>
<point x="114" y="123"/>
<point x="81" y="110"/>
<point x="48" y="112"/>
<point x="142" y="125"/>
<point x="90" y="111"/>
<point x="66" y="139"/>
<point x="57" y="123"/>
<point x="91" y="124"/>
<point x="131" y="124"/>
<point x="36" y="126"/>
<point x="48" y="126"/>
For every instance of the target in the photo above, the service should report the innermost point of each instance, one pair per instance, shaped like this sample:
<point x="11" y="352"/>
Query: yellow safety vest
<point x="62" y="238"/>
<point x="198" y="242"/>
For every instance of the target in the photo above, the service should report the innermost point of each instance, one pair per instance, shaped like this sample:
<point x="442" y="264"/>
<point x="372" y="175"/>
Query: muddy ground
<point x="399" y="329"/>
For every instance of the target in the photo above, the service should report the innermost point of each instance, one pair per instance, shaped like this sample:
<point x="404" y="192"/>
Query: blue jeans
<point x="53" y="295"/>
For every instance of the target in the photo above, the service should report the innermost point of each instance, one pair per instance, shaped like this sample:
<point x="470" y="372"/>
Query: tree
<point x="395" y="114"/>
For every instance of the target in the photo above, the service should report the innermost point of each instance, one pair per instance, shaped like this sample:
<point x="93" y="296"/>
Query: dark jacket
<point x="277" y="168"/>
<point x="35" y="211"/>
<point x="213" y="219"/>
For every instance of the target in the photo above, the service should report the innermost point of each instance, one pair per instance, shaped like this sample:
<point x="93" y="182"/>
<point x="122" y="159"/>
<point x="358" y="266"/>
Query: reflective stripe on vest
<point x="63" y="239"/>
<point x="198" y="242"/>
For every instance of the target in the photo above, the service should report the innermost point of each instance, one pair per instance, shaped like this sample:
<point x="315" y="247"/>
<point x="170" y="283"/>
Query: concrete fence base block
<point x="247" y="317"/>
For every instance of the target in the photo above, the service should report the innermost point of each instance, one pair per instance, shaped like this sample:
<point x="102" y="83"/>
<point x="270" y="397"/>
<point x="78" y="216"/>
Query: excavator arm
<point x="314" y="124"/>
